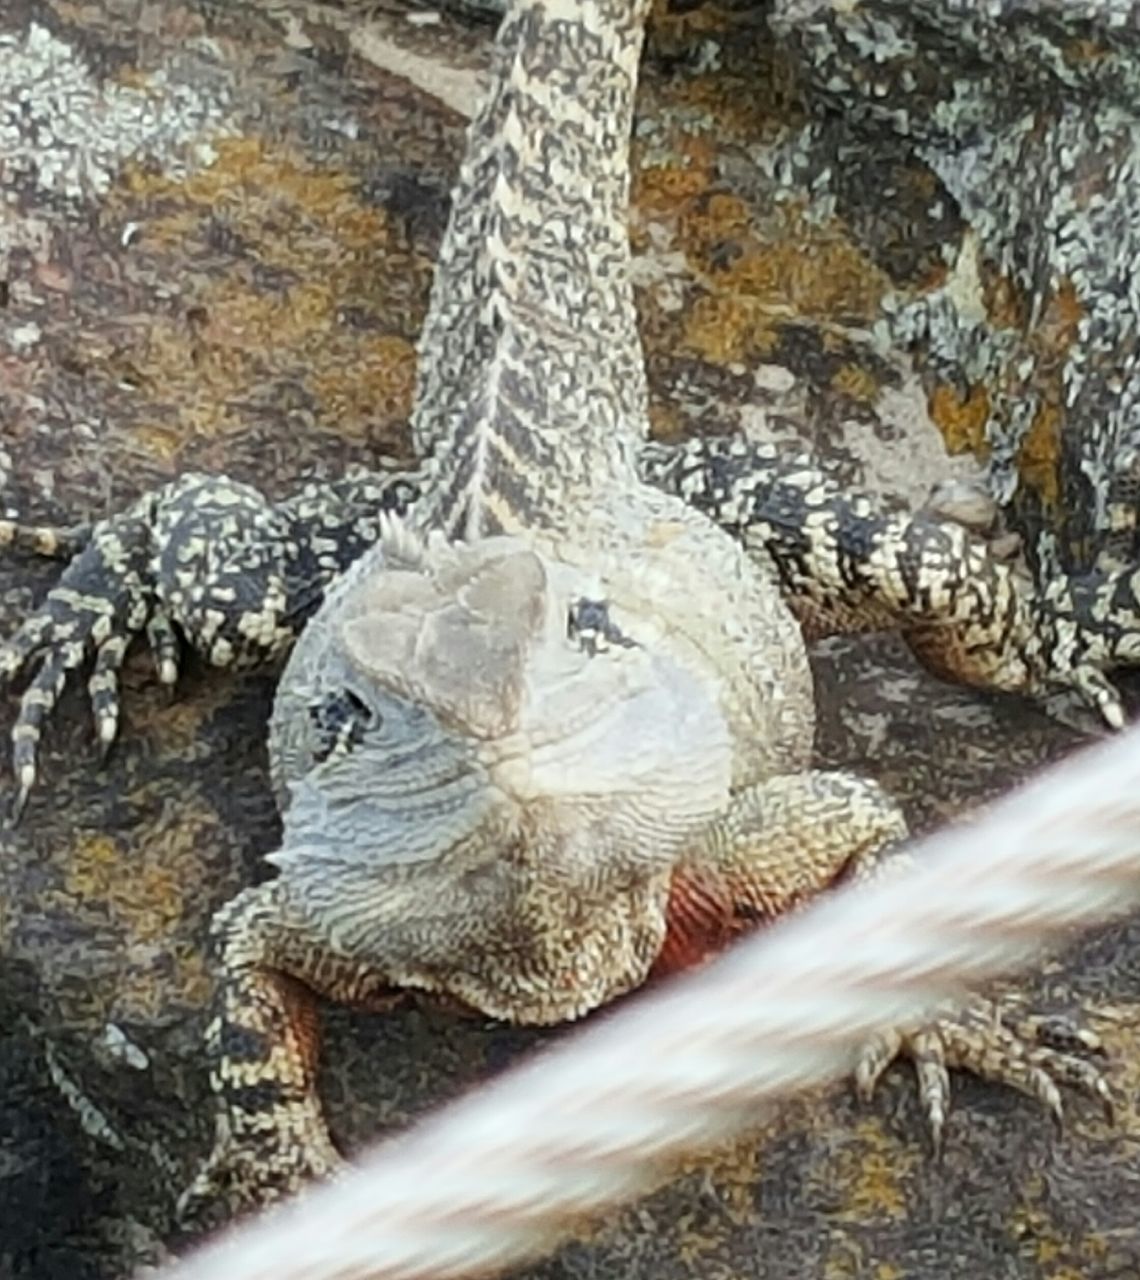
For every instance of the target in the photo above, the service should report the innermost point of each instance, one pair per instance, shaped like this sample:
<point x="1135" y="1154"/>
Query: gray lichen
<point x="66" y="133"/>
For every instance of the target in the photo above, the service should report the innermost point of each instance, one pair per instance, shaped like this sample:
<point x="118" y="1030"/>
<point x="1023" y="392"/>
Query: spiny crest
<point x="403" y="546"/>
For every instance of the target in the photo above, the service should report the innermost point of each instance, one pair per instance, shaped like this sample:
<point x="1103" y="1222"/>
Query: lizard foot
<point x="92" y="614"/>
<point x="199" y="561"/>
<point x="1032" y="1054"/>
<point x="291" y="1150"/>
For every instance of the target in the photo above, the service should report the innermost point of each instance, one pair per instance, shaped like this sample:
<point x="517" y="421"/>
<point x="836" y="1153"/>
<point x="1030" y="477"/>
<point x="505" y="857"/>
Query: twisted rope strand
<point x="495" y="1179"/>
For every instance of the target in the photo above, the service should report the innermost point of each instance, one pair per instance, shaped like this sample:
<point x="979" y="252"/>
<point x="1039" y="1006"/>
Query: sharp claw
<point x="106" y="730"/>
<point x="1098" y="690"/>
<point x="864" y="1086"/>
<point x="19" y="803"/>
<point x="192" y="1205"/>
<point x="874" y="1060"/>
<point x="1108" y="1106"/>
<point x="1113" y="715"/>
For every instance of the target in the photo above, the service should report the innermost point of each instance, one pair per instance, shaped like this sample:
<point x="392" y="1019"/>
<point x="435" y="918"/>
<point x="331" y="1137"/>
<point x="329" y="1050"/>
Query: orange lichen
<point x="807" y="271"/>
<point x="381" y="380"/>
<point x="666" y="22"/>
<point x="856" y="383"/>
<point x="757" y="272"/>
<point x="159" y="440"/>
<point x="251" y="168"/>
<point x="96" y="861"/>
<point x="175" y="725"/>
<point x="1039" y="457"/>
<point x="750" y="109"/>
<point x="934" y="277"/>
<point x="1004" y="303"/>
<point x="721" y="328"/>
<point x="846" y="1258"/>
<point x="659" y="188"/>
<point x="281" y="251"/>
<point x="665" y="421"/>
<point x="1080" y="50"/>
<point x="1060" y="318"/>
<point x="148" y="898"/>
<point x="872" y="1170"/>
<point x="737" y="1171"/>
<point x="138" y="79"/>
<point x="144" y="895"/>
<point x="756" y="86"/>
<point x="924" y="182"/>
<point x="708" y="222"/>
<point x="961" y="422"/>
<point x="1118" y="1026"/>
<point x="1053" y="1247"/>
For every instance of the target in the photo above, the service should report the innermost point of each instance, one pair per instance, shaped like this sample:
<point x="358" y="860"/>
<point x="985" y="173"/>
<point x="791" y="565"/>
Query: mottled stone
<point x="1026" y="331"/>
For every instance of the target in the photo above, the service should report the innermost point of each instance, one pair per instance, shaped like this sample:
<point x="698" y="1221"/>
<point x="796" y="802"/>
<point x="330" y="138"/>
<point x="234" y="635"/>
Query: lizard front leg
<point x="204" y="562"/>
<point x="846" y="565"/>
<point x="788" y="839"/>
<point x="779" y="845"/>
<point x="262" y="1042"/>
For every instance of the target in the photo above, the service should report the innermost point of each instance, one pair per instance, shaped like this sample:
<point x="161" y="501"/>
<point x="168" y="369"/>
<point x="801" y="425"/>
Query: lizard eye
<point x="589" y="625"/>
<point x="339" y="721"/>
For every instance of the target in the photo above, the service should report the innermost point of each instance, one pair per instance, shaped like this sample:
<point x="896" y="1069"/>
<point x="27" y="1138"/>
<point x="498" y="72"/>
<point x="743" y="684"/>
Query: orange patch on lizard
<point x="698" y="922"/>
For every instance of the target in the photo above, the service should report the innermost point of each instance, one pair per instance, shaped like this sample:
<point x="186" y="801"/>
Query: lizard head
<point x="489" y="703"/>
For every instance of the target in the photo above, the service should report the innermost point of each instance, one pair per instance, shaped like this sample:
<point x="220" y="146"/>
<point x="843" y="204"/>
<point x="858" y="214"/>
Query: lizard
<point x="544" y="728"/>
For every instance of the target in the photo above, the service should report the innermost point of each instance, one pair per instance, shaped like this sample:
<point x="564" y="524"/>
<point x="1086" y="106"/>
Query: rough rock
<point x="1025" y="119"/>
<point x="216" y="245"/>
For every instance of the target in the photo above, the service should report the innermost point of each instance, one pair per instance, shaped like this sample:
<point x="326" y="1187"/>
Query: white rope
<point x="496" y="1179"/>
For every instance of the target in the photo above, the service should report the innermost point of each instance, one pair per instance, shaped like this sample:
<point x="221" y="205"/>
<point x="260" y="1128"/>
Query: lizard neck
<point x="531" y="392"/>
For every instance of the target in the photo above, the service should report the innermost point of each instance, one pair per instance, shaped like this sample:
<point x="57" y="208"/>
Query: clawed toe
<point x="1095" y="688"/>
<point x="1033" y="1054"/>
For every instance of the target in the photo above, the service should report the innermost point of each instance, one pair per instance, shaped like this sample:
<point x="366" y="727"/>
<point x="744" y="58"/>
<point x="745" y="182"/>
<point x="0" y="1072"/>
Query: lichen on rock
<point x="1028" y="117"/>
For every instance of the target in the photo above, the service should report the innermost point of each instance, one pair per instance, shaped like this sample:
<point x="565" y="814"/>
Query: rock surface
<point x="1028" y="332"/>
<point x="216" y="238"/>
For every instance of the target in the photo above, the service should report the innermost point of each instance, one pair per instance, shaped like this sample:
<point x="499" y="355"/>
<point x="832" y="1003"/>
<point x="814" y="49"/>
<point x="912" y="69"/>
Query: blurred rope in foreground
<point x="496" y="1179"/>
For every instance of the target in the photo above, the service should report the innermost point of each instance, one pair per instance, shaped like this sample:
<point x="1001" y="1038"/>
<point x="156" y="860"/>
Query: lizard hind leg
<point x="262" y="1043"/>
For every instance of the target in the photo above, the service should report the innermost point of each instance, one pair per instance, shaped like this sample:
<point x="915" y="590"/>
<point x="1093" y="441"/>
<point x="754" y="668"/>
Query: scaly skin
<point x="843" y="566"/>
<point x="530" y="770"/>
